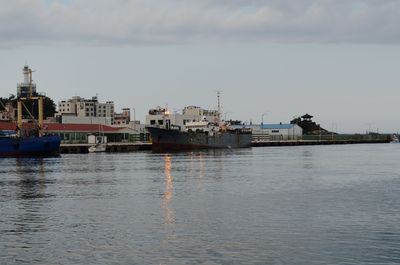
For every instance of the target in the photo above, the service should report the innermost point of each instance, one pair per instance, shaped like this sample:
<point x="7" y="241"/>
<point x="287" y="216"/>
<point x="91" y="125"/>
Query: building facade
<point x="123" y="118"/>
<point x="276" y="132"/>
<point x="9" y="113"/>
<point x="80" y="110"/>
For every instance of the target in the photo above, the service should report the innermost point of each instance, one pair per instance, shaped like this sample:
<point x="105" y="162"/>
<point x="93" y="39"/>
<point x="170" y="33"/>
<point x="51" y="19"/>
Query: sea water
<point x="269" y="205"/>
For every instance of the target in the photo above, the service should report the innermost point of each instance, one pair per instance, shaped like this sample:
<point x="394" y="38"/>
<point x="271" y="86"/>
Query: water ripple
<point x="295" y="205"/>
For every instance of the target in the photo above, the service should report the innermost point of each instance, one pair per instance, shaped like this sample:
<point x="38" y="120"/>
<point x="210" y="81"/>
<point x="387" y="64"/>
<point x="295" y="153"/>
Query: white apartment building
<point x="80" y="110"/>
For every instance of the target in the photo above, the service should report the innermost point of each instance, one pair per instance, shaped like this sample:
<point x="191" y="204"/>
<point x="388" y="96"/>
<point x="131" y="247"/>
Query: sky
<point x="338" y="60"/>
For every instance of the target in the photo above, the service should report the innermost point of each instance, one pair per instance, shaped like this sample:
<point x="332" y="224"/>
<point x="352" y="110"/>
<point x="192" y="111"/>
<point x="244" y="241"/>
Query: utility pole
<point x="262" y="126"/>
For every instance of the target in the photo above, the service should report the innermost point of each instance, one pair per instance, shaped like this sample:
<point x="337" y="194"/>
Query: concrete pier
<point x="111" y="147"/>
<point x="318" y="142"/>
<point x="130" y="147"/>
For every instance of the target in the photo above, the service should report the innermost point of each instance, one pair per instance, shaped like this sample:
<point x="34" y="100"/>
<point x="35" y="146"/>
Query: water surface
<point x="274" y="205"/>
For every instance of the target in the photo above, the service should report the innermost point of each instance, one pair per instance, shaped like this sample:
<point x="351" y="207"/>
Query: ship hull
<point x="167" y="140"/>
<point x="30" y="146"/>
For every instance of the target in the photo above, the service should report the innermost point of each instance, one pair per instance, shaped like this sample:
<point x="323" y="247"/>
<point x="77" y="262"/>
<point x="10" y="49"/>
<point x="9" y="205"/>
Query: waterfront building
<point x="79" y="133"/>
<point x="276" y="132"/>
<point x="66" y="119"/>
<point x="9" y="113"/>
<point x="86" y="111"/>
<point x="123" y="118"/>
<point x="309" y="126"/>
<point x="158" y="115"/>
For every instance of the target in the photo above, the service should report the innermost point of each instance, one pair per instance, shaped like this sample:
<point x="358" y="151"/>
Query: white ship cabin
<point x="199" y="126"/>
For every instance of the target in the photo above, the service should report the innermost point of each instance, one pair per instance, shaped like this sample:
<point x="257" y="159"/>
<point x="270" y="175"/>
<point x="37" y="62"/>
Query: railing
<point x="132" y="138"/>
<point x="346" y="137"/>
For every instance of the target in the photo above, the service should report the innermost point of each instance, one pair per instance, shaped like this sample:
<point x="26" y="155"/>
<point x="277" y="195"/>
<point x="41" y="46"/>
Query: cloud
<point x="130" y="22"/>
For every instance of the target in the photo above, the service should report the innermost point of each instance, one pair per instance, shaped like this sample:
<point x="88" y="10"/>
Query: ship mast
<point x="20" y="103"/>
<point x="219" y="104"/>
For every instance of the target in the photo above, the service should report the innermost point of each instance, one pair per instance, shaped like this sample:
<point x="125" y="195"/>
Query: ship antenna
<point x="30" y="82"/>
<point x="219" y="103"/>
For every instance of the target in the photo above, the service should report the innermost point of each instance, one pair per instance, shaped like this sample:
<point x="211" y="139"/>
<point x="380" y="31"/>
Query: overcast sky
<point x="338" y="60"/>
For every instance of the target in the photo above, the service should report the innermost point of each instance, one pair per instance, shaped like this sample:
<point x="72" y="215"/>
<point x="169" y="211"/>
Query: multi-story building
<point x="123" y="118"/>
<point x="9" y="113"/>
<point x="80" y="110"/>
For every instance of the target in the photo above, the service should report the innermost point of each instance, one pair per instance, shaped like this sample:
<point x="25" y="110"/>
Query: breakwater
<point x="319" y="142"/>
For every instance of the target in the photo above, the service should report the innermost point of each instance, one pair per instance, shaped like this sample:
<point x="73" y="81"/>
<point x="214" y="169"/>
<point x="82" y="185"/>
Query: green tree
<point x="49" y="107"/>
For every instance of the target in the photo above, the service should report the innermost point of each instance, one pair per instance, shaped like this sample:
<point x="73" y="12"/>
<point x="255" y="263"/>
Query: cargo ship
<point x="198" y="135"/>
<point x="23" y="142"/>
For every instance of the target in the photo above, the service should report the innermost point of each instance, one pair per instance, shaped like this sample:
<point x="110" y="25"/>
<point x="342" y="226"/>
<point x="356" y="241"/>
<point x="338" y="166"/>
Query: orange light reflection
<point x="169" y="215"/>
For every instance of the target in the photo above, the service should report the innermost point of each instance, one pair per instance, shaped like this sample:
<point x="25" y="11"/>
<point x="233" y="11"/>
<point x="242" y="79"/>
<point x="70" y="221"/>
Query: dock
<point x="319" y="142"/>
<point x="111" y="147"/>
<point x="145" y="146"/>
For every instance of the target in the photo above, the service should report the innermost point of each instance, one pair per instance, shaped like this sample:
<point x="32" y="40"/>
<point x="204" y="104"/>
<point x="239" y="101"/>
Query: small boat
<point x="394" y="139"/>
<point x="96" y="148"/>
<point x="101" y="142"/>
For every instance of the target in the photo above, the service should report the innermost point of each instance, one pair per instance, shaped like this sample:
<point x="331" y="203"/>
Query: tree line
<point x="49" y="107"/>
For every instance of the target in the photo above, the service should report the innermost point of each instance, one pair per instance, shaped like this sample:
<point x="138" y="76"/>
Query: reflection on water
<point x="196" y="167"/>
<point x="169" y="215"/>
<point x="31" y="197"/>
<point x="200" y="162"/>
<point x="308" y="159"/>
<point x="31" y="175"/>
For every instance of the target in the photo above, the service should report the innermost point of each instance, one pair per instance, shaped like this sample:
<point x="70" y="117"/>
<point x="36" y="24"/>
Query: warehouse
<point x="276" y="132"/>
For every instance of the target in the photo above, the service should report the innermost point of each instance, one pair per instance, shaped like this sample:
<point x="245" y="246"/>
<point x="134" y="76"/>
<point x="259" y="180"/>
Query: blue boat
<point x="13" y="146"/>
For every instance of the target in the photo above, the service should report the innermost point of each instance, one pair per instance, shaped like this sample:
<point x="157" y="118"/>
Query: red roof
<point x="61" y="127"/>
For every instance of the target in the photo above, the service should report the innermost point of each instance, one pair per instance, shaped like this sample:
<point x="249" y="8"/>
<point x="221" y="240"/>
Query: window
<point x="275" y="131"/>
<point x="152" y="122"/>
<point x="160" y="122"/>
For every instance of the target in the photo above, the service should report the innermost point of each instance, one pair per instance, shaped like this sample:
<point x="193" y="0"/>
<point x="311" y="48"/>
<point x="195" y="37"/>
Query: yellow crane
<point x="20" y="103"/>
